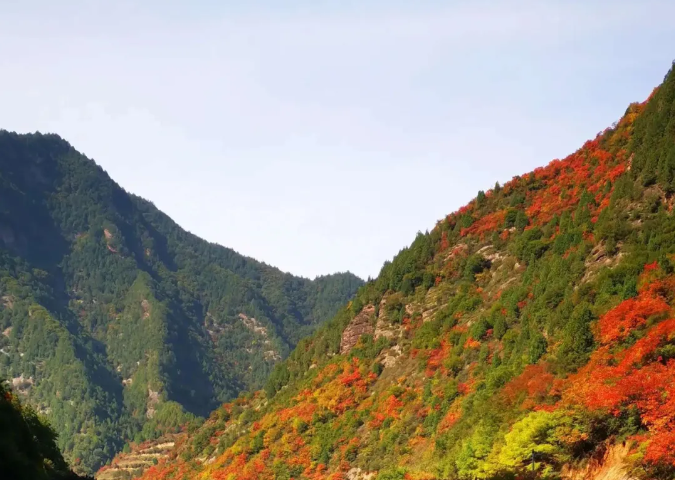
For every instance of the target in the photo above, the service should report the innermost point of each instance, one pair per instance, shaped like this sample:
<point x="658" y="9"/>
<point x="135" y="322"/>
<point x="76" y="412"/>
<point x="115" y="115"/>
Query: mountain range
<point x="529" y="334"/>
<point x="118" y="325"/>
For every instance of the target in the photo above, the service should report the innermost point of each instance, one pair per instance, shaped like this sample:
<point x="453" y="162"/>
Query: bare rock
<point x="361" y="324"/>
<point x="391" y="357"/>
<point x="358" y="474"/>
<point x="22" y="384"/>
<point x="253" y="325"/>
<point x="145" y="305"/>
<point x="153" y="399"/>
<point x="8" y="302"/>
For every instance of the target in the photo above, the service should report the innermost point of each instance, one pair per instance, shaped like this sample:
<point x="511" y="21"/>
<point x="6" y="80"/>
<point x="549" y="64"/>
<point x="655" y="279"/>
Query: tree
<point x="535" y="433"/>
<point x="577" y="339"/>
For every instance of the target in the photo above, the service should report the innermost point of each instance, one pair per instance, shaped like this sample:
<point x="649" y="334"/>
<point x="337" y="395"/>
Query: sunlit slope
<point x="536" y="323"/>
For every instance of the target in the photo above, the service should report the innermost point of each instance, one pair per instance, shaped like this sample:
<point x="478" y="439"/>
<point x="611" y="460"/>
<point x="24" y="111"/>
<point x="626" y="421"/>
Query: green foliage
<point x="392" y="474"/>
<point x="482" y="356"/>
<point x="170" y="417"/>
<point x="475" y="264"/>
<point x="368" y="349"/>
<point x="476" y="350"/>
<point x="577" y="340"/>
<point x="652" y="138"/>
<point x="530" y="245"/>
<point x="28" y="445"/>
<point x="472" y="461"/>
<point x="536" y="435"/>
<point x="116" y="312"/>
<point x="407" y="266"/>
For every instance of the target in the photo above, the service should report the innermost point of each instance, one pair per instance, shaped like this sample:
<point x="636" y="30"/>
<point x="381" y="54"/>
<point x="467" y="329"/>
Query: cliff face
<point x="362" y="324"/>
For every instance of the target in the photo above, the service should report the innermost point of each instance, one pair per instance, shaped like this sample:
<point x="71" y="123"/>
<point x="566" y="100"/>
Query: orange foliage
<point x="466" y="387"/>
<point x="630" y="314"/>
<point x="531" y="387"/>
<point x="485" y="224"/>
<point x="615" y="378"/>
<point x="449" y="420"/>
<point x="634" y="378"/>
<point x="651" y="266"/>
<point x="304" y="411"/>
<point x="563" y="181"/>
<point x="445" y="244"/>
<point x="377" y="420"/>
<point x="393" y="406"/>
<point x="436" y="357"/>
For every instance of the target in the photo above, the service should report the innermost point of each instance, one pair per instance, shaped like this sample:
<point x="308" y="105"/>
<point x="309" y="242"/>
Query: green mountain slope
<point x="530" y="334"/>
<point x="112" y="316"/>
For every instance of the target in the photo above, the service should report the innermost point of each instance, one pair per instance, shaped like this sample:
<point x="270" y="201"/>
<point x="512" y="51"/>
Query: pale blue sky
<point x="321" y="136"/>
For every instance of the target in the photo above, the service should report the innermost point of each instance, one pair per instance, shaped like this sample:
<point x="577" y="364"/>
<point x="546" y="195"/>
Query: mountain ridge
<point x="112" y="313"/>
<point x="523" y="336"/>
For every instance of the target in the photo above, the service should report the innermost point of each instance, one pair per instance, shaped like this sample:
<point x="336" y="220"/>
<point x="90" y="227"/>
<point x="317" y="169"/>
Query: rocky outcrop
<point x="358" y="474"/>
<point x="392" y="356"/>
<point x="8" y="301"/>
<point x="153" y="400"/>
<point x="22" y="384"/>
<point x="253" y="325"/>
<point x="145" y="306"/>
<point x="383" y="327"/>
<point x="109" y="239"/>
<point x="361" y="324"/>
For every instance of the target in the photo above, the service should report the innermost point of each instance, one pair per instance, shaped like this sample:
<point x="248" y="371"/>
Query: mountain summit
<point x="530" y="334"/>
<point x="116" y="323"/>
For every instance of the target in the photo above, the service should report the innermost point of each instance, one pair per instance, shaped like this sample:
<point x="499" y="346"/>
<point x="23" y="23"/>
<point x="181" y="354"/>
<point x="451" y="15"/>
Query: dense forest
<point x="118" y="325"/>
<point x="529" y="334"/>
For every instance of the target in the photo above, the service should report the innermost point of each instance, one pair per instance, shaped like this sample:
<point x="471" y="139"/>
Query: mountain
<point x="115" y="323"/>
<point x="530" y="334"/>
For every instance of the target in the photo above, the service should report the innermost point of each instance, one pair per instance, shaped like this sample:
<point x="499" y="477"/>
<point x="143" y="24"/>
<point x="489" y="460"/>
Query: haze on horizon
<point x="321" y="136"/>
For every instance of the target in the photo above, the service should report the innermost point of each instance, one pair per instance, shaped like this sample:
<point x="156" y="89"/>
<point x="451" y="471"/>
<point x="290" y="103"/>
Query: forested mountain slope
<point x="116" y="323"/>
<point x="536" y="321"/>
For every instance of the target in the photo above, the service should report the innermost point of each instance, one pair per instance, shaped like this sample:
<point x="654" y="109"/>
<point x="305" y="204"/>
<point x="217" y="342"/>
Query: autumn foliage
<point x="621" y="321"/>
<point x="638" y="376"/>
<point x="537" y="318"/>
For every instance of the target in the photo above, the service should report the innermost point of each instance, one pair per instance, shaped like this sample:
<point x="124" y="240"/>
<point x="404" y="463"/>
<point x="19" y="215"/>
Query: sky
<point x="321" y="136"/>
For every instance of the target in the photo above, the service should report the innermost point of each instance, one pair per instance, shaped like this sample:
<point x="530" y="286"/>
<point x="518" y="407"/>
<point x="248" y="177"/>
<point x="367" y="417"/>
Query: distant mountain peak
<point x="109" y="307"/>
